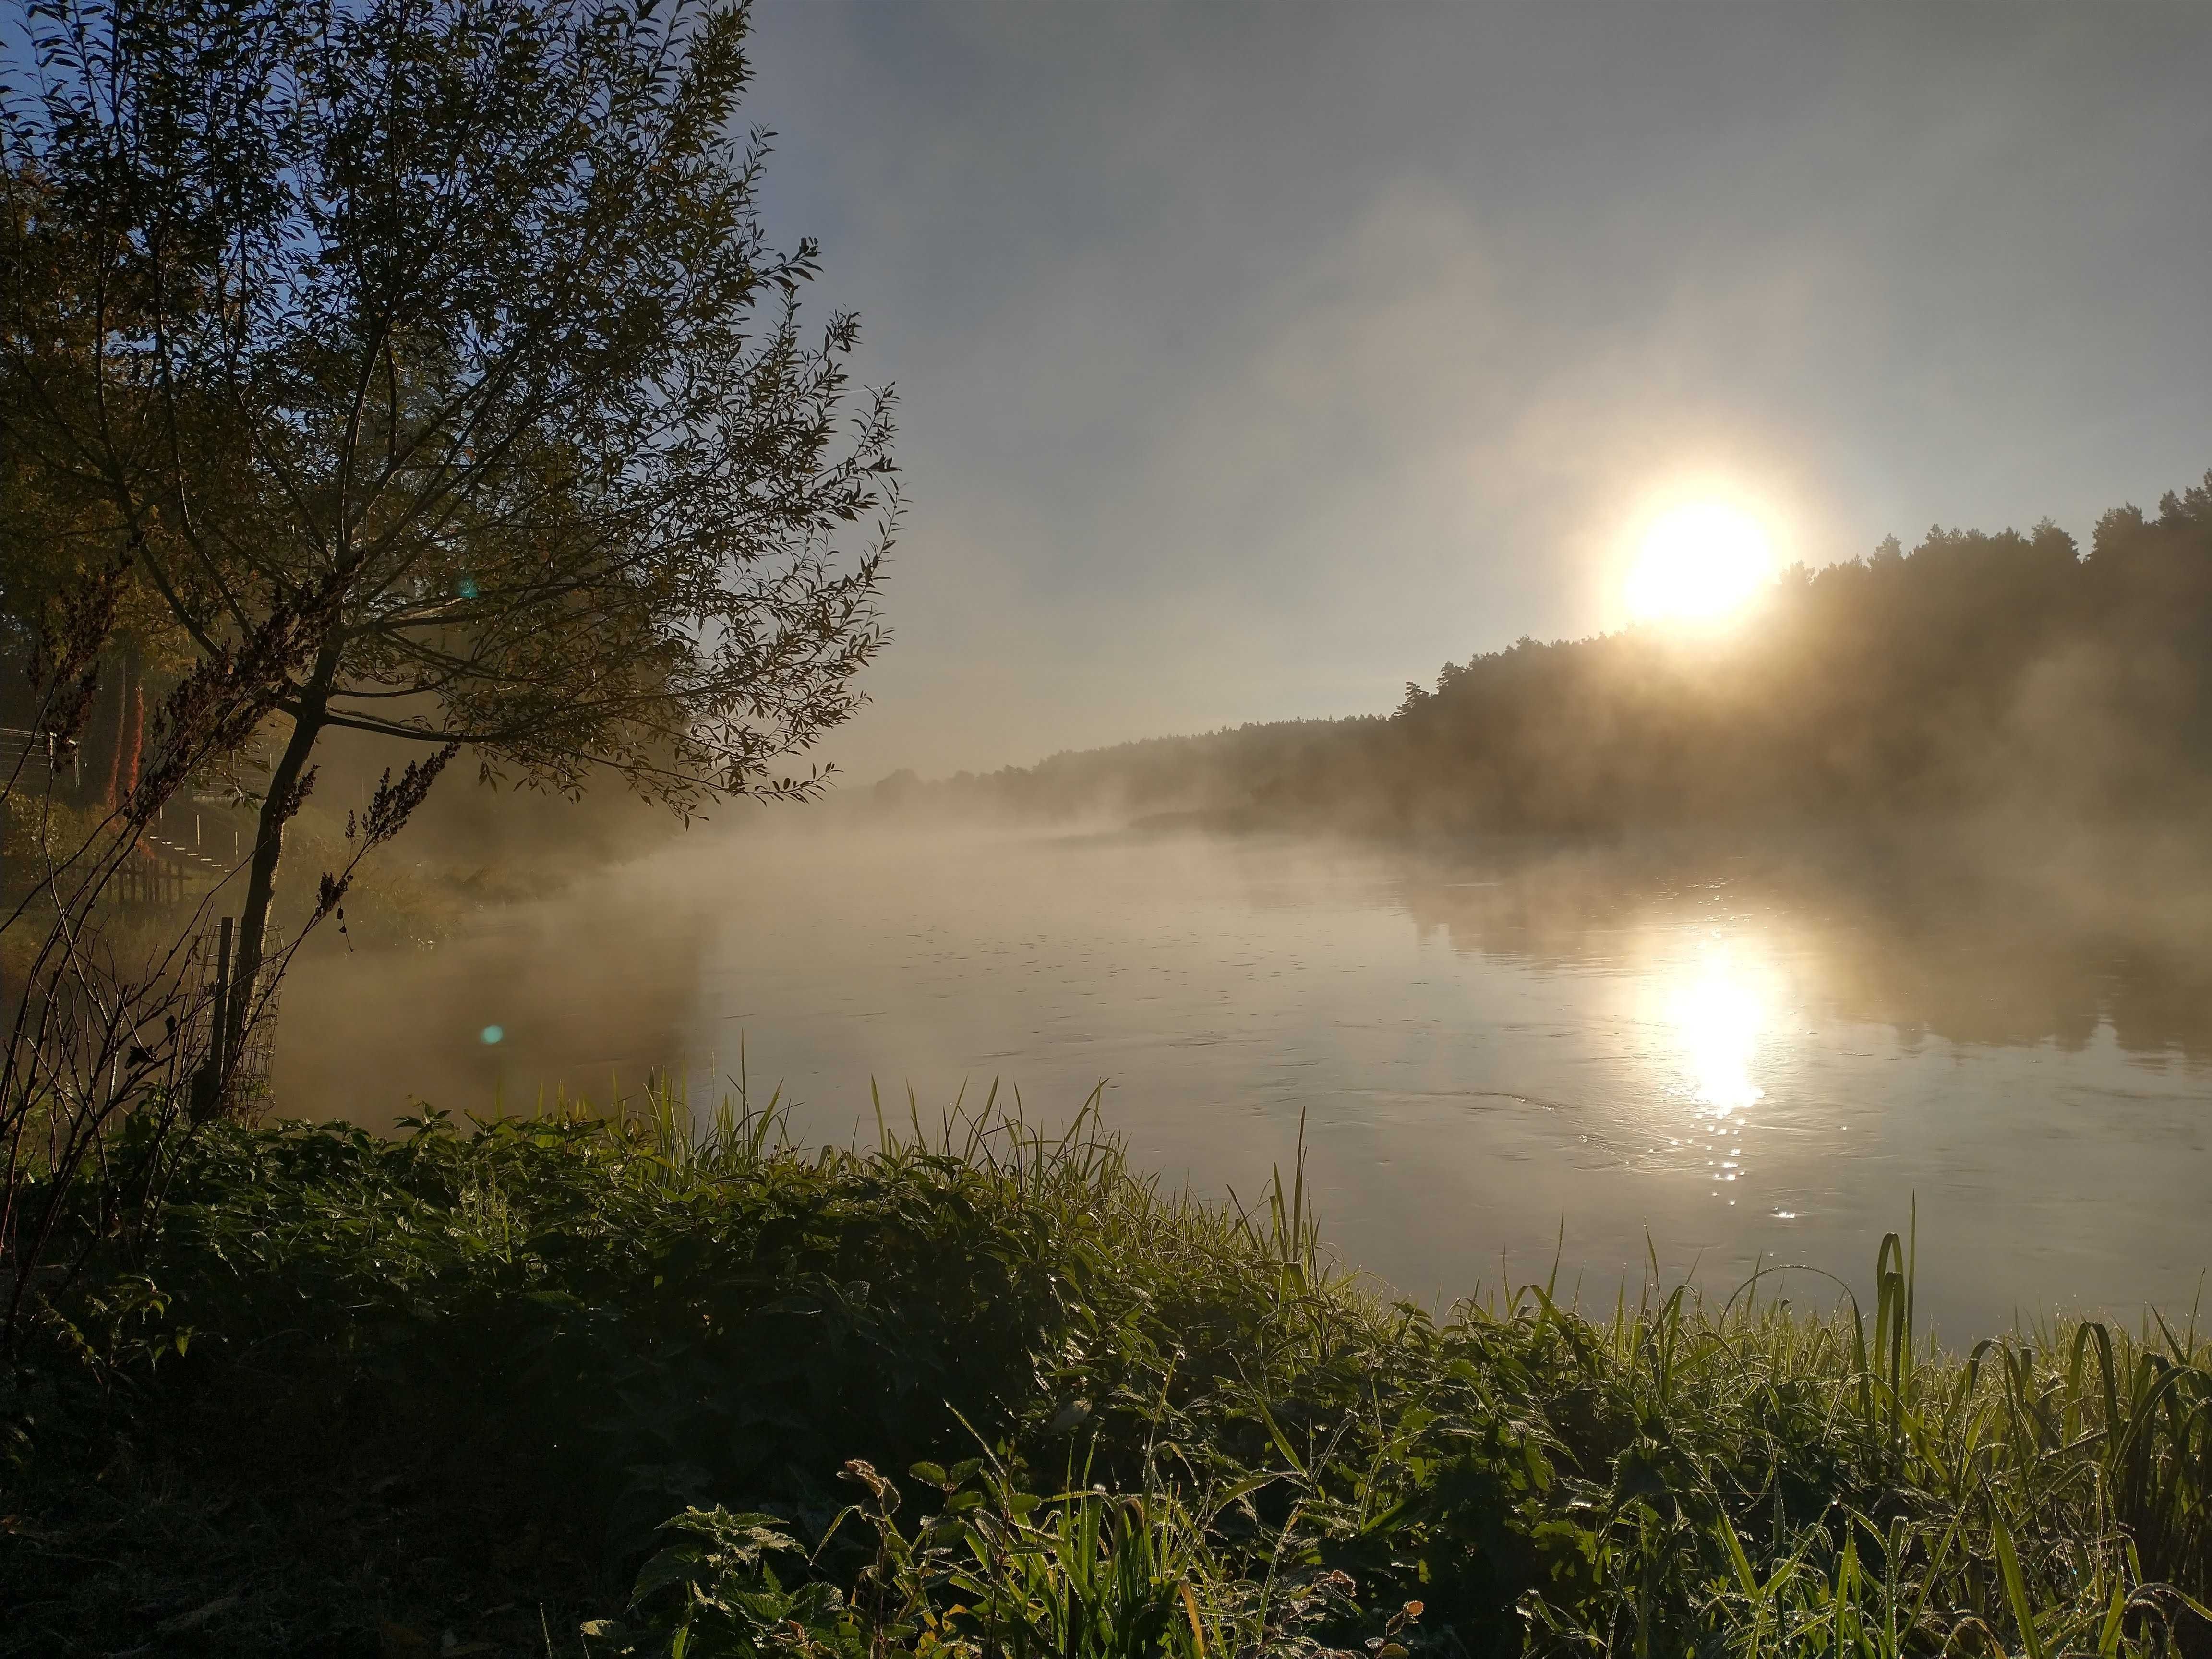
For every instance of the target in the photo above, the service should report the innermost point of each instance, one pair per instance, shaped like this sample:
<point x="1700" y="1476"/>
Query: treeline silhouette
<point x="2007" y="676"/>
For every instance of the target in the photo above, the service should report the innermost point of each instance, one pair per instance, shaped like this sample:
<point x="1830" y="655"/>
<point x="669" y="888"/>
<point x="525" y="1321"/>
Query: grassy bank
<point x="575" y="1385"/>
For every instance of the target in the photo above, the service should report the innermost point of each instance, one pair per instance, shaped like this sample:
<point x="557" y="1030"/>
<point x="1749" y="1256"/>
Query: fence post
<point x="223" y="1004"/>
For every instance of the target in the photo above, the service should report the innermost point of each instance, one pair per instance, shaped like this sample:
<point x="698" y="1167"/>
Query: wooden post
<point x="211" y="1082"/>
<point x="223" y="1004"/>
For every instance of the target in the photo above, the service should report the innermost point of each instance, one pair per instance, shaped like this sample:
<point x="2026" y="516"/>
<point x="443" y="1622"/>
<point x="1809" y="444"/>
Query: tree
<point x="451" y="327"/>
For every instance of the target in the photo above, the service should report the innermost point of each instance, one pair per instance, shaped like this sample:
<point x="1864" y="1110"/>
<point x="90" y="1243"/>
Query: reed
<point x="983" y="1388"/>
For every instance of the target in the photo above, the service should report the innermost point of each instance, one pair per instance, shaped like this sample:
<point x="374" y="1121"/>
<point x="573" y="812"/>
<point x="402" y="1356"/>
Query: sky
<point x="1257" y="359"/>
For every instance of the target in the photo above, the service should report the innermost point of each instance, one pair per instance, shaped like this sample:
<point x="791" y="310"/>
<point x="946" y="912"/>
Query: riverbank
<point x="988" y="1389"/>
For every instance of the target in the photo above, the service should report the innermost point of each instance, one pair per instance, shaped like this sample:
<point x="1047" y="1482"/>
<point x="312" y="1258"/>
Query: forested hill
<point x="2010" y="674"/>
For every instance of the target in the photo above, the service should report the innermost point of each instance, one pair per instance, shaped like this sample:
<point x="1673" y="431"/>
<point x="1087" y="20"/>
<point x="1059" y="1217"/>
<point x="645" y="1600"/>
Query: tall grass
<point x="987" y="1389"/>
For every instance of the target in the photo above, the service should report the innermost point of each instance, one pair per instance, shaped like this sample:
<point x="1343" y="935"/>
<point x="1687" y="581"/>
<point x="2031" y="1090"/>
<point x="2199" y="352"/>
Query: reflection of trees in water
<point x="596" y="984"/>
<point x="2158" y="1003"/>
<point x="1927" y="950"/>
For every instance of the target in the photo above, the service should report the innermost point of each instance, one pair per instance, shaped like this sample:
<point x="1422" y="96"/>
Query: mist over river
<point x="1497" y="1060"/>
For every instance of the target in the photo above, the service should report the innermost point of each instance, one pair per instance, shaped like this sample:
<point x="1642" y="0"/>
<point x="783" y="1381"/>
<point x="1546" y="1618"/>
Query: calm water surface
<point x="1496" y="1064"/>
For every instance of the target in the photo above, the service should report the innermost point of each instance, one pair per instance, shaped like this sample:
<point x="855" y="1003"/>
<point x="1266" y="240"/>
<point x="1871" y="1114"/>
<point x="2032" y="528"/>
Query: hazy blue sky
<point x="1257" y="359"/>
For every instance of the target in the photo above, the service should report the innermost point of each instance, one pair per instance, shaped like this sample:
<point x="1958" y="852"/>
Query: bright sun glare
<point x="1717" y="1016"/>
<point x="1700" y="562"/>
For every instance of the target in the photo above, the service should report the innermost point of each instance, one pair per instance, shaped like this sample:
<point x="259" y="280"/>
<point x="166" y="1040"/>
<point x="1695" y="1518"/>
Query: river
<point x="1515" y="1068"/>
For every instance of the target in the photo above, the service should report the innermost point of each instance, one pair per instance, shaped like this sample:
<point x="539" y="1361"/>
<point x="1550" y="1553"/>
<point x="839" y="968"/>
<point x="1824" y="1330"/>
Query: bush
<point x="1128" y="1423"/>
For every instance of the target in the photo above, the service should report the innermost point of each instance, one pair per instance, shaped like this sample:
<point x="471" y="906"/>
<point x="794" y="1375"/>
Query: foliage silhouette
<point x="451" y="330"/>
<point x="1984" y="677"/>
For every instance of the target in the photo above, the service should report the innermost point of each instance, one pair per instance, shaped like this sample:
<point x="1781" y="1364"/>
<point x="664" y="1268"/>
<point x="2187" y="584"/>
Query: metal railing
<point x="20" y="746"/>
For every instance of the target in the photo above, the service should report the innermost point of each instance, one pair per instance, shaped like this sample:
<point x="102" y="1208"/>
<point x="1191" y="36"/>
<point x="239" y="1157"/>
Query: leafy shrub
<point x="1132" y="1424"/>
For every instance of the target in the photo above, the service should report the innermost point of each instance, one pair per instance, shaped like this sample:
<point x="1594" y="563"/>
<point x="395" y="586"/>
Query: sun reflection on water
<point x="1718" y="1013"/>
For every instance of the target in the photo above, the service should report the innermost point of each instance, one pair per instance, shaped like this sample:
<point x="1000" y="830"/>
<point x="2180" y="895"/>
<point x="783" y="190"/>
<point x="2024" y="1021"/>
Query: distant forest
<point x="1978" y="676"/>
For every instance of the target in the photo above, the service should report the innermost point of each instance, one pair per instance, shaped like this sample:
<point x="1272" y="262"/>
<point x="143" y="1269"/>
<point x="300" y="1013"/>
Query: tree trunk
<point x="268" y="849"/>
<point x="108" y="734"/>
<point x="134" y="724"/>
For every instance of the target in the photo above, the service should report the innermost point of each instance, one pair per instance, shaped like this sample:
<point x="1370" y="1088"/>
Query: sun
<point x="1702" y="561"/>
